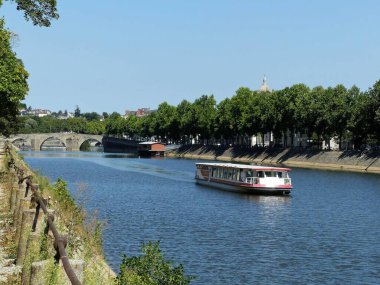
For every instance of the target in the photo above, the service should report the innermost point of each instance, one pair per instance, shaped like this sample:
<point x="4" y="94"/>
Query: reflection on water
<point x="326" y="232"/>
<point x="78" y="154"/>
<point x="268" y="200"/>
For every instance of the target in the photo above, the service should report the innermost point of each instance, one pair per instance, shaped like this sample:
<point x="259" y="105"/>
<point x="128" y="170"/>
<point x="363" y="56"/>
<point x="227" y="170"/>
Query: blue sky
<point x="122" y="54"/>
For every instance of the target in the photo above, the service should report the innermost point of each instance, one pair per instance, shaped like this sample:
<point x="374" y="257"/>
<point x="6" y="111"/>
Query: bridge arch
<point x="21" y="142"/>
<point x="89" y="139"/>
<point x="71" y="141"/>
<point x="44" y="140"/>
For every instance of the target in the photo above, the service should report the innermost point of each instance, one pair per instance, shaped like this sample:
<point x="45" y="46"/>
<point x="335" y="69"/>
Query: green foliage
<point x="62" y="194"/>
<point x="51" y="274"/>
<point x="204" y="116"/>
<point x="115" y="125"/>
<point x="77" y="112"/>
<point x="151" y="268"/>
<point x="13" y="83"/>
<point x="13" y="76"/>
<point x="85" y="146"/>
<point x="51" y="124"/>
<point x="93" y="116"/>
<point x="39" y="11"/>
<point x="165" y="121"/>
<point x="320" y="113"/>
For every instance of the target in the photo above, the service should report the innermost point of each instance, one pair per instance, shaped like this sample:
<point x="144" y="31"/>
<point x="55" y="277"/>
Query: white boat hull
<point x="244" y="189"/>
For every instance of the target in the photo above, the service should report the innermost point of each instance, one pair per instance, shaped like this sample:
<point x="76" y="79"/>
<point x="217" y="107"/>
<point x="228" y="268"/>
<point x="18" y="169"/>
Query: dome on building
<point x="264" y="87"/>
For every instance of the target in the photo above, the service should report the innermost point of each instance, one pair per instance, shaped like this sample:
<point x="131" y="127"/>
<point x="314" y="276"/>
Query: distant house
<point x="35" y="112"/>
<point x="142" y="112"/>
<point x="65" y="116"/>
<point x="23" y="112"/>
<point x="129" y="113"/>
<point x="41" y="112"/>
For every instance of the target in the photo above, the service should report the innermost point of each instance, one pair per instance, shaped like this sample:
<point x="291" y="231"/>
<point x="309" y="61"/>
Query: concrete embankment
<point x="330" y="160"/>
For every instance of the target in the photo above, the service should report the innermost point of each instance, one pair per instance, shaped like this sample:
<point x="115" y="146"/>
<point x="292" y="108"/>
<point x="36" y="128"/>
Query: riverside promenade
<point x="350" y="160"/>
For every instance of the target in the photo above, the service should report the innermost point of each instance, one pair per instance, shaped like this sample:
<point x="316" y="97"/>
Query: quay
<point x="350" y="160"/>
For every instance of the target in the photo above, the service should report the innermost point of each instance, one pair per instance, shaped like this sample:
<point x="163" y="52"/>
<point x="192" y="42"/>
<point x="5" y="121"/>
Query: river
<point x="326" y="232"/>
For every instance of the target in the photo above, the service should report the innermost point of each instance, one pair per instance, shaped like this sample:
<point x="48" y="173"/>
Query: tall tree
<point x="40" y="12"/>
<point x="13" y="76"/>
<point x="166" y="124"/>
<point x="13" y="82"/>
<point x="77" y="113"/>
<point x="241" y="115"/>
<point x="339" y="114"/>
<point x="359" y="123"/>
<point x="204" y="114"/>
<point x="185" y="119"/>
<point x="374" y="94"/>
<point x="224" y="126"/>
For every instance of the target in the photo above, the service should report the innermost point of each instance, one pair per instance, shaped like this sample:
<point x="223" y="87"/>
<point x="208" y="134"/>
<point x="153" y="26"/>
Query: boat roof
<point x="150" y="143"/>
<point x="245" y="166"/>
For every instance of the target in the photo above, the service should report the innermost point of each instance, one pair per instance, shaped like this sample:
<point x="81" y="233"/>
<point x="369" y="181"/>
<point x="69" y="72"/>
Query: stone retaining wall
<point x="332" y="160"/>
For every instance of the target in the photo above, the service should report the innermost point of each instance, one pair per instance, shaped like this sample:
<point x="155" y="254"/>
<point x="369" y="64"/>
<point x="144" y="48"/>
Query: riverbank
<point x="32" y="250"/>
<point x="7" y="268"/>
<point x="330" y="160"/>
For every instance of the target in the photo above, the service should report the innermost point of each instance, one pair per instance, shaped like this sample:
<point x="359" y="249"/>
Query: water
<point x="326" y="232"/>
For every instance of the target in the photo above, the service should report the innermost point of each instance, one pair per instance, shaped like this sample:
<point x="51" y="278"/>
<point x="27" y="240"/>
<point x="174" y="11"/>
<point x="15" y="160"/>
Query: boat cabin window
<point x="270" y="174"/>
<point x="260" y="174"/>
<point x="282" y="174"/>
<point x="249" y="173"/>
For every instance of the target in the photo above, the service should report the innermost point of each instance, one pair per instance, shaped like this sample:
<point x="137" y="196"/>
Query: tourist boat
<point x="244" y="178"/>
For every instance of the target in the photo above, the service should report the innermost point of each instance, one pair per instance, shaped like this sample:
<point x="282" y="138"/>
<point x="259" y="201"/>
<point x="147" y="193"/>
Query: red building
<point x="149" y="149"/>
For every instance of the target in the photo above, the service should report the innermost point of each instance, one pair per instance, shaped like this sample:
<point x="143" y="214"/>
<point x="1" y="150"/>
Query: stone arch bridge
<point x="72" y="141"/>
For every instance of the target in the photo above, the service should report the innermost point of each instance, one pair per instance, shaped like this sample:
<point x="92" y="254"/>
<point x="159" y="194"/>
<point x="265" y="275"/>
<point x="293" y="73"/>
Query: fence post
<point x="19" y="195"/>
<point x="26" y="227"/>
<point x="24" y="205"/>
<point x="12" y="204"/>
<point x="31" y="247"/>
<point x="20" y="198"/>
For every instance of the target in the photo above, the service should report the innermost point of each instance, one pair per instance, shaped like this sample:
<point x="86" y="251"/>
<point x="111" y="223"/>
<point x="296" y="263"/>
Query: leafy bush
<point x="151" y="268"/>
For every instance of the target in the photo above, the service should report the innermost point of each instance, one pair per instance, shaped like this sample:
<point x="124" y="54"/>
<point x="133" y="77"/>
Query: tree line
<point x="347" y="115"/>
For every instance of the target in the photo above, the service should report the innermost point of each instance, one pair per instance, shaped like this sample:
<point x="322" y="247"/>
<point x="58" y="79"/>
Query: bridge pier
<point x="72" y="144"/>
<point x="36" y="144"/>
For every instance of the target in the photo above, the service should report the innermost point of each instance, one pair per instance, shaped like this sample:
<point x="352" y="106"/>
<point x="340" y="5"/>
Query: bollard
<point x="38" y="272"/>
<point x="26" y="228"/>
